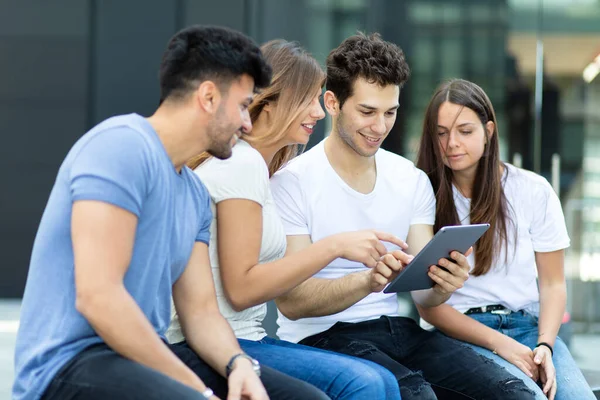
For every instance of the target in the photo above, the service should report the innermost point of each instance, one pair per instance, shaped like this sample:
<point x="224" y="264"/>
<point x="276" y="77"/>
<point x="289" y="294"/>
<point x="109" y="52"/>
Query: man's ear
<point x="331" y="103"/>
<point x="208" y="96"/>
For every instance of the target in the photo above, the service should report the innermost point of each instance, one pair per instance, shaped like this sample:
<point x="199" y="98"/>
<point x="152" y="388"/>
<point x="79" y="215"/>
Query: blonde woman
<point x="248" y="242"/>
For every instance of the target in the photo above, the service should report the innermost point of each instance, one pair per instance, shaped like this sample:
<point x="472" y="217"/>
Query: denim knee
<point x="371" y="383"/>
<point x="513" y="388"/>
<point x="413" y="386"/>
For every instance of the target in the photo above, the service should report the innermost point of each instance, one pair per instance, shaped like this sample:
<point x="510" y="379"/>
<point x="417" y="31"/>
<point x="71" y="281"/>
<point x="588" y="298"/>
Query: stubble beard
<point x="216" y="132"/>
<point x="348" y="138"/>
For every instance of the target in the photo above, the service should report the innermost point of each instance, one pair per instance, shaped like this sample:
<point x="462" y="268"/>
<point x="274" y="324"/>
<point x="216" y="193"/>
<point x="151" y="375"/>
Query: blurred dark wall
<point x="65" y="65"/>
<point x="43" y="110"/>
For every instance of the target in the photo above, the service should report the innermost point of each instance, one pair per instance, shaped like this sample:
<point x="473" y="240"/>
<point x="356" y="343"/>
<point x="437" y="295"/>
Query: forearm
<point x="211" y="337"/>
<point x="264" y="282"/>
<point x="429" y="297"/>
<point x="319" y="297"/>
<point x="553" y="298"/>
<point x="459" y="326"/>
<point x="121" y="324"/>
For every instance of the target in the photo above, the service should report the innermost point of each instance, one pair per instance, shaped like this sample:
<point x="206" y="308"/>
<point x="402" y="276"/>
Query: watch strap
<point x="230" y="364"/>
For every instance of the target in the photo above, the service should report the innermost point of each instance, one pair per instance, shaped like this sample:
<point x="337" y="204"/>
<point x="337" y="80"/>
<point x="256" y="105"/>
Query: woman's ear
<point x="489" y="127"/>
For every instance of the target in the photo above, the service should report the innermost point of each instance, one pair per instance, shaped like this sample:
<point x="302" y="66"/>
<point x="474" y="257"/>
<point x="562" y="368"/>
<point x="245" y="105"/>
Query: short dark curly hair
<point x="369" y="57"/>
<point x="204" y="52"/>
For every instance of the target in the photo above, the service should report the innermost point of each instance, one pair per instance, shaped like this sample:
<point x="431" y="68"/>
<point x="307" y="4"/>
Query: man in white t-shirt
<point x="348" y="183"/>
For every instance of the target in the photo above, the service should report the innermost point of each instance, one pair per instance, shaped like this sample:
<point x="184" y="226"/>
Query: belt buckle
<point x="501" y="312"/>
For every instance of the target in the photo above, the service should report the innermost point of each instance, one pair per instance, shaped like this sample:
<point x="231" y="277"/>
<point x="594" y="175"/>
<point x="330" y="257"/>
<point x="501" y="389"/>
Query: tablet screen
<point x="446" y="240"/>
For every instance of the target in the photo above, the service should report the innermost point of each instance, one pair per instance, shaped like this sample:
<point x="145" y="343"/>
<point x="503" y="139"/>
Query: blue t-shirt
<point x="122" y="162"/>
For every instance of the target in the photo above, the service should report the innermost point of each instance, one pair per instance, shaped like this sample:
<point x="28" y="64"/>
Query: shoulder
<point x="523" y="182"/>
<point x="131" y="127"/>
<point x="245" y="166"/>
<point x="119" y="161"/>
<point x="243" y="175"/>
<point x="398" y="167"/>
<point x="244" y="161"/>
<point x="394" y="160"/>
<point x="125" y="144"/>
<point x="122" y="136"/>
<point x="244" y="154"/>
<point x="304" y="165"/>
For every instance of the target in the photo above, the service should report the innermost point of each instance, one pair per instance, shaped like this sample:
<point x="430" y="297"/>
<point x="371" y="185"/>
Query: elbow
<point x="420" y="297"/>
<point x="429" y="298"/>
<point x="93" y="300"/>
<point x="422" y="311"/>
<point x="82" y="303"/>
<point x="554" y="289"/>
<point x="238" y="299"/>
<point x="238" y="305"/>
<point x="88" y="301"/>
<point x="287" y="310"/>
<point x="425" y="300"/>
<point x="427" y="313"/>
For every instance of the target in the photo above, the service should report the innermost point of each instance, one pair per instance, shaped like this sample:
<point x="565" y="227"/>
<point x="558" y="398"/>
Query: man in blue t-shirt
<point x="126" y="229"/>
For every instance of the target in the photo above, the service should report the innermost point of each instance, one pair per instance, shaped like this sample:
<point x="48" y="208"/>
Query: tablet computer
<point x="446" y="240"/>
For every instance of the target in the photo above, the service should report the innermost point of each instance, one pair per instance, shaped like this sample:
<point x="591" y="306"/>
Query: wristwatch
<point x="255" y="364"/>
<point x="207" y="394"/>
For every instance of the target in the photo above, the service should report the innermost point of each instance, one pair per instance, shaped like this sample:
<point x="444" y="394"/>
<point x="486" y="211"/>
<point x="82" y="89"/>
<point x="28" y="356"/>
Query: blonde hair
<point x="297" y="76"/>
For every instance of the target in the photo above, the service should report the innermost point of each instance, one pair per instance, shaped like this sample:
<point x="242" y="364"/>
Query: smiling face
<point x="367" y="116"/>
<point x="462" y="137"/>
<point x="231" y="118"/>
<point x="303" y="126"/>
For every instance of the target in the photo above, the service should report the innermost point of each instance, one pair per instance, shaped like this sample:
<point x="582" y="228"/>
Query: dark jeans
<point x="420" y="359"/>
<point x="100" y="373"/>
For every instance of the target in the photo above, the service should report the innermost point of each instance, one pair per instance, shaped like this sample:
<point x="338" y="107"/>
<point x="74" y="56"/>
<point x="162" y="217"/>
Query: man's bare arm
<point x="103" y="238"/>
<point x="318" y="297"/>
<point x="206" y="330"/>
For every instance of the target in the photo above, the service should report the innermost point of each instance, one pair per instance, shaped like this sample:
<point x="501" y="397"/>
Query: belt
<point x="494" y="309"/>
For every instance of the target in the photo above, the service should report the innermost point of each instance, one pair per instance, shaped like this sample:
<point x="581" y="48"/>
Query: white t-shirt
<point x="242" y="176"/>
<point x="313" y="200"/>
<point x="540" y="226"/>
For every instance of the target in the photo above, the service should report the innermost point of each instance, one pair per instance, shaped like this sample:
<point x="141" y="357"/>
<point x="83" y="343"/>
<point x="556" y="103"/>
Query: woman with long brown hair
<point x="500" y="311"/>
<point x="248" y="243"/>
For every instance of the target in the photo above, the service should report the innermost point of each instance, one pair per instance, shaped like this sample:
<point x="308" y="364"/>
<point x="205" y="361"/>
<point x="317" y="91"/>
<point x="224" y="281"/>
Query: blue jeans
<point x="339" y="376"/>
<point x="425" y="364"/>
<point x="523" y="327"/>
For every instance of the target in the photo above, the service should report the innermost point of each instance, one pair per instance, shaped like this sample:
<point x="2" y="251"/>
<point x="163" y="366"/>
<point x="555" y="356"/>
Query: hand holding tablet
<point x="448" y="239"/>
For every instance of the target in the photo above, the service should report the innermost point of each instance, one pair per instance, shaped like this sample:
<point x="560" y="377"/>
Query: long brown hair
<point x="297" y="76"/>
<point x="488" y="203"/>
